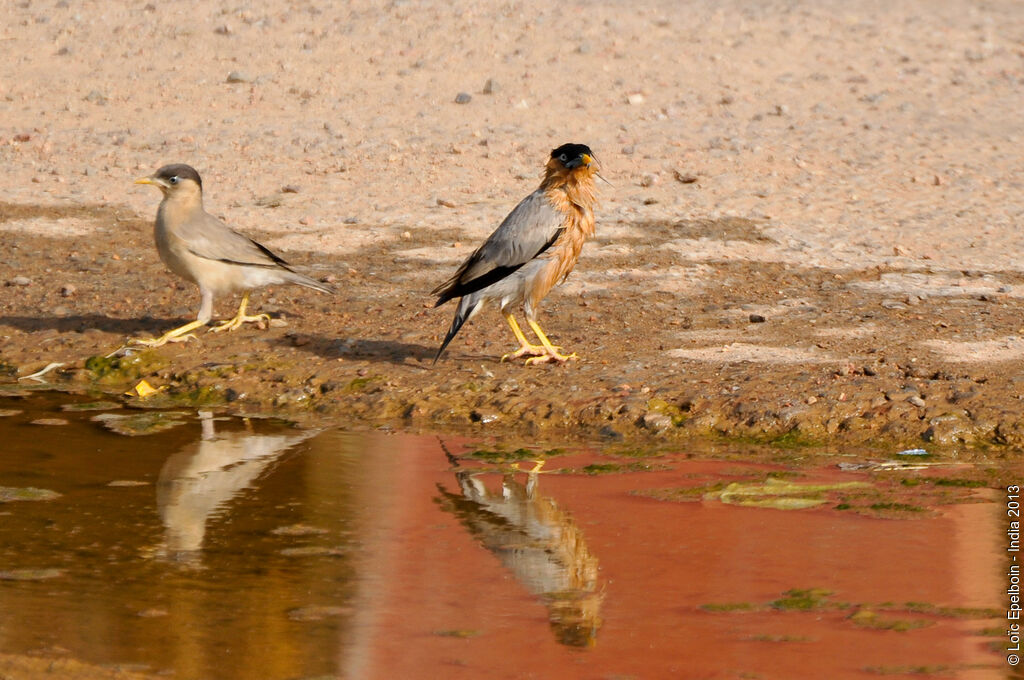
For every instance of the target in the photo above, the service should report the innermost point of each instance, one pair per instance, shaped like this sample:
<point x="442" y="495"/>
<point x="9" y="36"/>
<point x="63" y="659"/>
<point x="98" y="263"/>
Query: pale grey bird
<point x="198" y="247"/>
<point x="532" y="250"/>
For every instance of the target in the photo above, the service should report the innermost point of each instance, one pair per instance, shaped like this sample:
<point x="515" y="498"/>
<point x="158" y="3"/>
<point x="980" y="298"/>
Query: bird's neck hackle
<point x="573" y="193"/>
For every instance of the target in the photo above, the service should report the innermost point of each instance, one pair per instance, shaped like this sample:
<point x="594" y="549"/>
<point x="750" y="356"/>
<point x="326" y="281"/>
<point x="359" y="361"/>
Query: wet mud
<point x="762" y="351"/>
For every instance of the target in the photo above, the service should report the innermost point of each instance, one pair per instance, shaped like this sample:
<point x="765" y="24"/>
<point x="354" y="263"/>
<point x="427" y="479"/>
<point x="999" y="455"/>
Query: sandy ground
<point x="848" y="172"/>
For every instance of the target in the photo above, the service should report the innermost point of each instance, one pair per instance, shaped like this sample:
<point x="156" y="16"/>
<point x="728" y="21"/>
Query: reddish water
<point x="258" y="551"/>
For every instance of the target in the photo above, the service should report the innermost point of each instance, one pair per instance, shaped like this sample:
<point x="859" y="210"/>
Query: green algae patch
<point x="730" y="607"/>
<point x="30" y="574"/>
<point x="675" y="413"/>
<point x="780" y="494"/>
<point x="116" y="370"/>
<point x="493" y="456"/>
<point x="357" y="385"/>
<point x="866" y="618"/>
<point x="681" y="494"/>
<point x="138" y="424"/>
<point x="803" y="600"/>
<point x="9" y="494"/>
<point x="617" y="468"/>
<point x="460" y="633"/>
<point x="91" y="406"/>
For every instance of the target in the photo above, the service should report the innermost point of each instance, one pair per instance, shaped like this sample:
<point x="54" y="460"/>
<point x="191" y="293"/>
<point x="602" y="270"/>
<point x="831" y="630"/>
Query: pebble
<point x="756" y="318"/>
<point x="491" y="86"/>
<point x="67" y="290"/>
<point x="657" y="422"/>
<point x="463" y="98"/>
<point x="635" y="99"/>
<point x="238" y="77"/>
<point x="649" y="180"/>
<point x="20" y="281"/>
<point x="49" y="421"/>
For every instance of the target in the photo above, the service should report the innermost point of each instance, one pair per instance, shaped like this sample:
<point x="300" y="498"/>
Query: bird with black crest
<point x="532" y="250"/>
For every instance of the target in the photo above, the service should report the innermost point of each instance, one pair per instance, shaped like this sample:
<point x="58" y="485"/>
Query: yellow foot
<point x="525" y="350"/>
<point x="553" y="356"/>
<point x="162" y="340"/>
<point x="262" y="320"/>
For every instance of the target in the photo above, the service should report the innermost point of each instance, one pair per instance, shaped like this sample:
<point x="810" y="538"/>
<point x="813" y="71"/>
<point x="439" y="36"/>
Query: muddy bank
<point x="811" y="232"/>
<point x="758" y="350"/>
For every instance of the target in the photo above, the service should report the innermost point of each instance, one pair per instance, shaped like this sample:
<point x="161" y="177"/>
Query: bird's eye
<point x="563" y="158"/>
<point x="172" y="180"/>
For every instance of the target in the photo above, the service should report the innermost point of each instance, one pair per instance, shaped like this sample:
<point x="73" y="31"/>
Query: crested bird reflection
<point x="200" y="480"/>
<point x="539" y="542"/>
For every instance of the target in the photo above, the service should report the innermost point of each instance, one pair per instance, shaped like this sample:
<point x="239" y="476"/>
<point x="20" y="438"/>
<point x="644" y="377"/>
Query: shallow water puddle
<point x="197" y="546"/>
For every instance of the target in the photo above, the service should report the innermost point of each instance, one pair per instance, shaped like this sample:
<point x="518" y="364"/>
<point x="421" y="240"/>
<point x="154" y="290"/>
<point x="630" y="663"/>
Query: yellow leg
<point x="524" y="345"/>
<point x="241" y="318"/>
<point x="180" y="334"/>
<point x="553" y="353"/>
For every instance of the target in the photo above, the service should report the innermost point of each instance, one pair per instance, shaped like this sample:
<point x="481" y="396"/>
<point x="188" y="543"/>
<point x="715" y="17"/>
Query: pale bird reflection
<point x="200" y="480"/>
<point x="540" y="543"/>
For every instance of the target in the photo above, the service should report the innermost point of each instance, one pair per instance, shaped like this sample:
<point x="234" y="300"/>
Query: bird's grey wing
<point x="530" y="229"/>
<point x="211" y="239"/>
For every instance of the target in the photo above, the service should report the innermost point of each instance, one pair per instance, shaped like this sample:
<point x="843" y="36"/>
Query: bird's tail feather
<point x="303" y="280"/>
<point x="467" y="308"/>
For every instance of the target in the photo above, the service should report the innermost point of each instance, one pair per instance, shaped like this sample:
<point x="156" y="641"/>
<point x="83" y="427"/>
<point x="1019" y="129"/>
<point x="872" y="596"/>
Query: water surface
<point x="203" y="546"/>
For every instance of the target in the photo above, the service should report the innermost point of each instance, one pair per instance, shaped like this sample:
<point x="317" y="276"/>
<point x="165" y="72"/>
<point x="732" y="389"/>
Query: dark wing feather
<point x="530" y="229"/>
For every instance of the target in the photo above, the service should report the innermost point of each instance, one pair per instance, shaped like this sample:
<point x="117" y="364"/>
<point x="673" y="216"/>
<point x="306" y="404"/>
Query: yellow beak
<point x="587" y="160"/>
<point x="145" y="180"/>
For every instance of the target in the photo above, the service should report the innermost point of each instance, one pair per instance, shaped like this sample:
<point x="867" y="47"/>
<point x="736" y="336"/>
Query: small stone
<point x="446" y="202"/>
<point x="238" y="77"/>
<point x="223" y="29"/>
<point x="684" y="177"/>
<point x="67" y="290"/>
<point x="152" y="613"/>
<point x="635" y="99"/>
<point x="916" y="401"/>
<point x="305" y="220"/>
<point x="22" y="137"/>
<point x="290" y="189"/>
<point x="649" y="180"/>
<point x="463" y="98"/>
<point x="491" y="86"/>
<point x="657" y="422"/>
<point x="49" y="421"/>
<point x="20" y="281"/>
<point x="484" y="417"/>
<point x="756" y="318"/>
<point x="270" y="201"/>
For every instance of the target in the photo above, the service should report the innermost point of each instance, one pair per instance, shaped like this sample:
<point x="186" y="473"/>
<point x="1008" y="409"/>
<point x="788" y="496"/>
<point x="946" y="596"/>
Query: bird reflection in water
<point x="539" y="542"/>
<point x="201" y="479"/>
